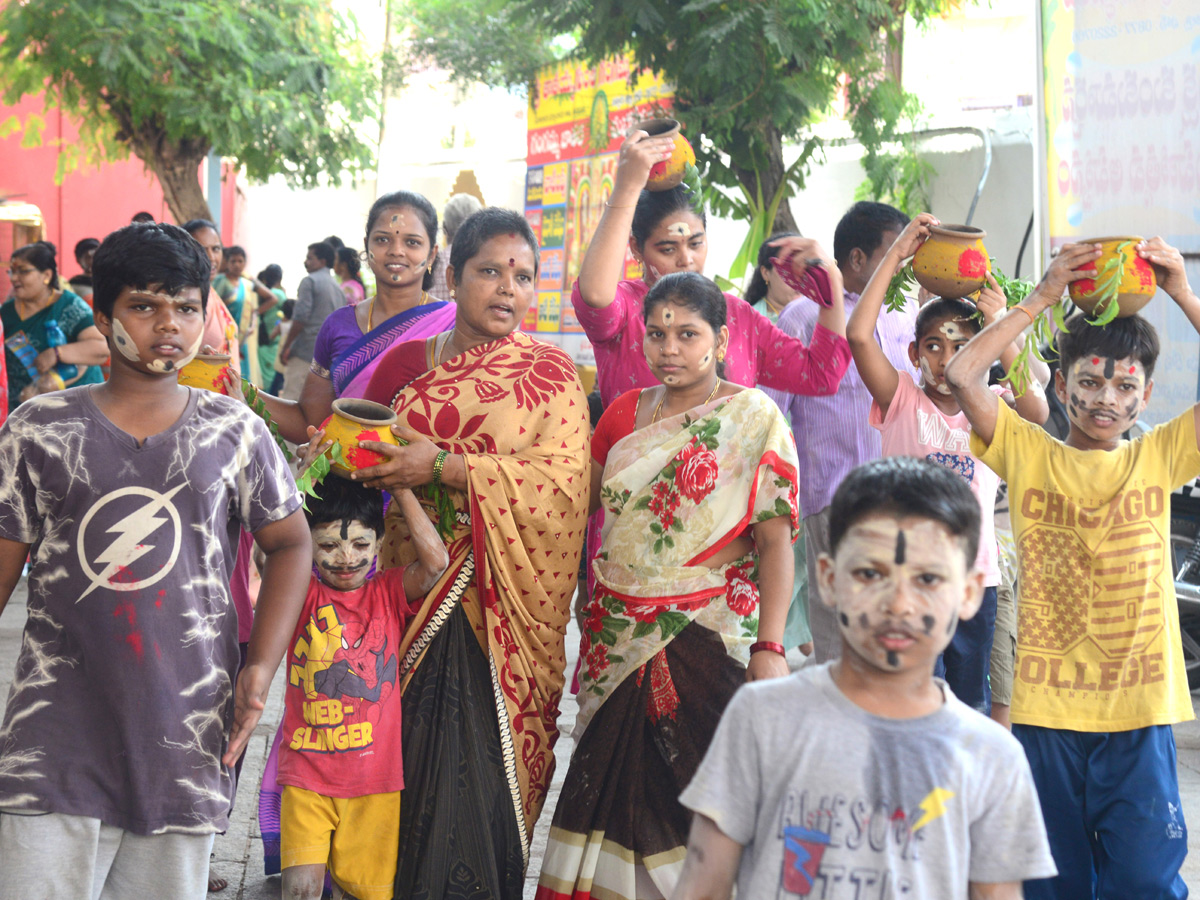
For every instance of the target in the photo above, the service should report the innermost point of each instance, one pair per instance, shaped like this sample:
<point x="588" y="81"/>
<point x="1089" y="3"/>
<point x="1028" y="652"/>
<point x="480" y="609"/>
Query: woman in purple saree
<point x="400" y="249"/>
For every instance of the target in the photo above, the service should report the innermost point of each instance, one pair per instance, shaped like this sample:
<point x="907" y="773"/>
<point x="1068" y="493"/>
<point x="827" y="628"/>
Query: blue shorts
<point x="1112" y="810"/>
<point x="967" y="661"/>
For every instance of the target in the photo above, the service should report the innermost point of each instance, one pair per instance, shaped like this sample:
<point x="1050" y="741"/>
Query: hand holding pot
<point x="306" y="454"/>
<point x="1168" y="267"/>
<point x="409" y="466"/>
<point x="638" y="156"/>
<point x="1074" y="261"/>
<point x="915" y="233"/>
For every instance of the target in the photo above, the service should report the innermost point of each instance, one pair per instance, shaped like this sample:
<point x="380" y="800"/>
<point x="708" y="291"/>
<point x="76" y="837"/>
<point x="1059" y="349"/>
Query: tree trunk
<point x="180" y="180"/>
<point x="771" y="177"/>
<point x="177" y="165"/>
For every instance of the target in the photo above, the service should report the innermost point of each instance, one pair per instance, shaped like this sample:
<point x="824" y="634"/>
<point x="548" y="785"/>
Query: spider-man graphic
<point x="362" y="666"/>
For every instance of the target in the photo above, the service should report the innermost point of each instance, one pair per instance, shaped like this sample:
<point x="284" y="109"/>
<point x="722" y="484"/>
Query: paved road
<point x="238" y="854"/>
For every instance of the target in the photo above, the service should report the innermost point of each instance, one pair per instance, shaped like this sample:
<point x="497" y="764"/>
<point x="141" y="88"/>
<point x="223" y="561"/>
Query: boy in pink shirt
<point x="925" y="421"/>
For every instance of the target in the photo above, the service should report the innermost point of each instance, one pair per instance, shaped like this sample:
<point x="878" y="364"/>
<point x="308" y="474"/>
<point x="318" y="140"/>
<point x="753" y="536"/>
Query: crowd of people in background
<point x="800" y="473"/>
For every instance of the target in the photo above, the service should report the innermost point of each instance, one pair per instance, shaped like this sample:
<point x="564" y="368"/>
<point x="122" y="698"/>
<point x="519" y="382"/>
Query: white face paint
<point x="343" y="551"/>
<point x="653" y="272"/>
<point x="174" y="365"/>
<point x="668" y="316"/>
<point x="124" y="342"/>
<point x="929" y="379"/>
<point x="899" y="588"/>
<point x="953" y="332"/>
<point x="679" y="229"/>
<point x="706" y="360"/>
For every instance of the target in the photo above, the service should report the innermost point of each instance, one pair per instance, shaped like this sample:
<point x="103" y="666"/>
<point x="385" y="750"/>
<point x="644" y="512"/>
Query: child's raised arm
<point x="1172" y="278"/>
<point x="12" y="561"/>
<point x="967" y="371"/>
<point x="711" y="864"/>
<point x="432" y="558"/>
<point x="875" y="369"/>
<point x="1031" y="405"/>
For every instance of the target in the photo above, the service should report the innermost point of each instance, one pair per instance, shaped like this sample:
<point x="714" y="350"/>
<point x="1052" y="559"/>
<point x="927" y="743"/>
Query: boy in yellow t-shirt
<point x="1099" y="674"/>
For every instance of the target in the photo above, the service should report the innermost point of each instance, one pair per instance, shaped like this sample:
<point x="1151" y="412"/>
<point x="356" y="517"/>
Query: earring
<point x="720" y="356"/>
<point x="429" y="268"/>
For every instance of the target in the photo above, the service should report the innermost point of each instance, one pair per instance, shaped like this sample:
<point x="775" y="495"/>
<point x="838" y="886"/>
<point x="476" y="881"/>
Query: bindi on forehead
<point x="512" y="263"/>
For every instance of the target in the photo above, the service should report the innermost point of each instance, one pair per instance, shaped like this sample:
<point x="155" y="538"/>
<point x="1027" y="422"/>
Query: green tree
<point x="749" y="74"/>
<point x="276" y="84"/>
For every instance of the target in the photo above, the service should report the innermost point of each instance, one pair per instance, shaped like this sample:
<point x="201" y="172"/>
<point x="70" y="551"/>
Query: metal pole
<point x="214" y="187"/>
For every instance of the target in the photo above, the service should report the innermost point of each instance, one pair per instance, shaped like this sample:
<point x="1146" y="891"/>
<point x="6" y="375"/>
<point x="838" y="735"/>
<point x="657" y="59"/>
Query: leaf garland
<point x="1041" y="333"/>
<point x="250" y="392"/>
<point x="899" y="287"/>
<point x="1108" y="286"/>
<point x="308" y="480"/>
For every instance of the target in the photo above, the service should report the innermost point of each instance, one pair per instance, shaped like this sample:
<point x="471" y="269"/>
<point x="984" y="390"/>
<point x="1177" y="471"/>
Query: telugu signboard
<point x="1122" y="119"/>
<point x="578" y="117"/>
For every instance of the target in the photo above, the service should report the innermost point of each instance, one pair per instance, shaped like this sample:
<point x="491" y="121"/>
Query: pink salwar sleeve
<point x="784" y="363"/>
<point x="606" y="323"/>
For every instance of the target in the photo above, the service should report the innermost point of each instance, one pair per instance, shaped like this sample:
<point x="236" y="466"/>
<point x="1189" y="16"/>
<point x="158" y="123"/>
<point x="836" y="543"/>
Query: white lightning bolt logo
<point x="933" y="807"/>
<point x="129" y="544"/>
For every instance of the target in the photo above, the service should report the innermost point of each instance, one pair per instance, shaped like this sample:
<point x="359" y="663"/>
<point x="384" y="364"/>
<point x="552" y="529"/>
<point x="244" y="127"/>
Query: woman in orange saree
<point x="502" y="421"/>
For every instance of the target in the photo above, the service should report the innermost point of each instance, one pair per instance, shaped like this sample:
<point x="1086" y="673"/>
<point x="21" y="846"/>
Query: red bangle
<point x="773" y="646"/>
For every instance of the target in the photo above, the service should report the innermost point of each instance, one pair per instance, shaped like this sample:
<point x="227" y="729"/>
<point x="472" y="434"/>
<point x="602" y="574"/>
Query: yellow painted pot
<point x="953" y="261"/>
<point x="356" y="420"/>
<point x="206" y="372"/>
<point x="668" y="173"/>
<point x="1137" y="284"/>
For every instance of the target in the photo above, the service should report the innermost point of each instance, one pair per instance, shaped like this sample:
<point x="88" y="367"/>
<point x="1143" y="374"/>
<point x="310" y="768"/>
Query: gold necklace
<point x="438" y="351"/>
<point x="371" y="308"/>
<point x="658" y="409"/>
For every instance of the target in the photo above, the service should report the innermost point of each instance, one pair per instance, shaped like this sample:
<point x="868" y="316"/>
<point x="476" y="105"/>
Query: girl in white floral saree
<point x="695" y="572"/>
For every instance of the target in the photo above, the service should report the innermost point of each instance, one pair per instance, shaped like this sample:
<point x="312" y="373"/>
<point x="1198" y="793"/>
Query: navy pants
<point x="966" y="662"/>
<point x="1112" y="811"/>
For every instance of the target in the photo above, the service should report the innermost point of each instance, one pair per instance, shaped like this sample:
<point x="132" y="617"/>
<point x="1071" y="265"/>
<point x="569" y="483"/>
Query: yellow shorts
<point x="357" y="837"/>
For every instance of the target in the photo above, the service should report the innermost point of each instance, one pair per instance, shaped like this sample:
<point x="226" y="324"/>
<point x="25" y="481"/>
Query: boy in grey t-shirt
<point x="124" y="718"/>
<point x="865" y="778"/>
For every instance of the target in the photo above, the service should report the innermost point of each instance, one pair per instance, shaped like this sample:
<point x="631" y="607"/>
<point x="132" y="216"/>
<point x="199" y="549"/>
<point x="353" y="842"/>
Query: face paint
<point x="124" y="342"/>
<point x="653" y="272"/>
<point x="512" y="263"/>
<point x="1102" y="400"/>
<point x="395" y="276"/>
<point x="950" y="328"/>
<point x="668" y="315"/>
<point x="930" y="379"/>
<point x="705" y="361"/>
<point x="679" y="229"/>
<point x="343" y="551"/>
<point x="891" y="613"/>
<point x="174" y="365"/>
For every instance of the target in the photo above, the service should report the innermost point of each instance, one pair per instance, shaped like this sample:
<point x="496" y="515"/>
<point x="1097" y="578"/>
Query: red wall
<point x="90" y="202"/>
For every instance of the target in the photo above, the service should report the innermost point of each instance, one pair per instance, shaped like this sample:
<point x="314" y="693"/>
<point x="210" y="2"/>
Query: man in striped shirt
<point x="832" y="433"/>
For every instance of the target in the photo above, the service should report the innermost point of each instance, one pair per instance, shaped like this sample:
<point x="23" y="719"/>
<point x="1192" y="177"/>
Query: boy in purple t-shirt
<point x="123" y="721"/>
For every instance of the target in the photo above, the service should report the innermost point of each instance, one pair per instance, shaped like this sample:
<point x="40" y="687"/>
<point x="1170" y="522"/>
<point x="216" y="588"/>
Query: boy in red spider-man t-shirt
<point x="339" y="760"/>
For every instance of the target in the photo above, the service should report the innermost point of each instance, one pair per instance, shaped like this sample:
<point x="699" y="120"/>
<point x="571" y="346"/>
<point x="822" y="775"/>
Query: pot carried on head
<point x="207" y="372"/>
<point x="355" y="420"/>
<point x="952" y="262"/>
<point x="1122" y="277"/>
<point x="668" y="173"/>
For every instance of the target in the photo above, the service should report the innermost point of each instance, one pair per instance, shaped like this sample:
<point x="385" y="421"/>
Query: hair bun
<point x="49" y="246"/>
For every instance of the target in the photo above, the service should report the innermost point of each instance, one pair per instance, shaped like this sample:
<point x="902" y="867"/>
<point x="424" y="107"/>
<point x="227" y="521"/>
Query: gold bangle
<point x="439" y="462"/>
<point x="1032" y="317"/>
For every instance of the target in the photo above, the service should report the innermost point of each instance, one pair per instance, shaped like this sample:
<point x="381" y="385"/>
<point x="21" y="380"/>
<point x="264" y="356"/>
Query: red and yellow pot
<point x="668" y="173"/>
<point x="353" y="421"/>
<point x="206" y="372"/>
<point x="952" y="262"/>
<point x="1137" y="284"/>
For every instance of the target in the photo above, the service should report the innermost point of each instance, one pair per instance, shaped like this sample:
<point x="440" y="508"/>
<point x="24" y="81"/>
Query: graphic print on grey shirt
<point x="123" y="694"/>
<point x="832" y="802"/>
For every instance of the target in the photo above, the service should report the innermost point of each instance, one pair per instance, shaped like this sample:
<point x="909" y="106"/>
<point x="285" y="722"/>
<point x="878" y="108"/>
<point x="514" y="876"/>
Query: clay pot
<point x="206" y="372"/>
<point x="668" y="173"/>
<point x="356" y="420"/>
<point x="953" y="261"/>
<point x="1137" y="286"/>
